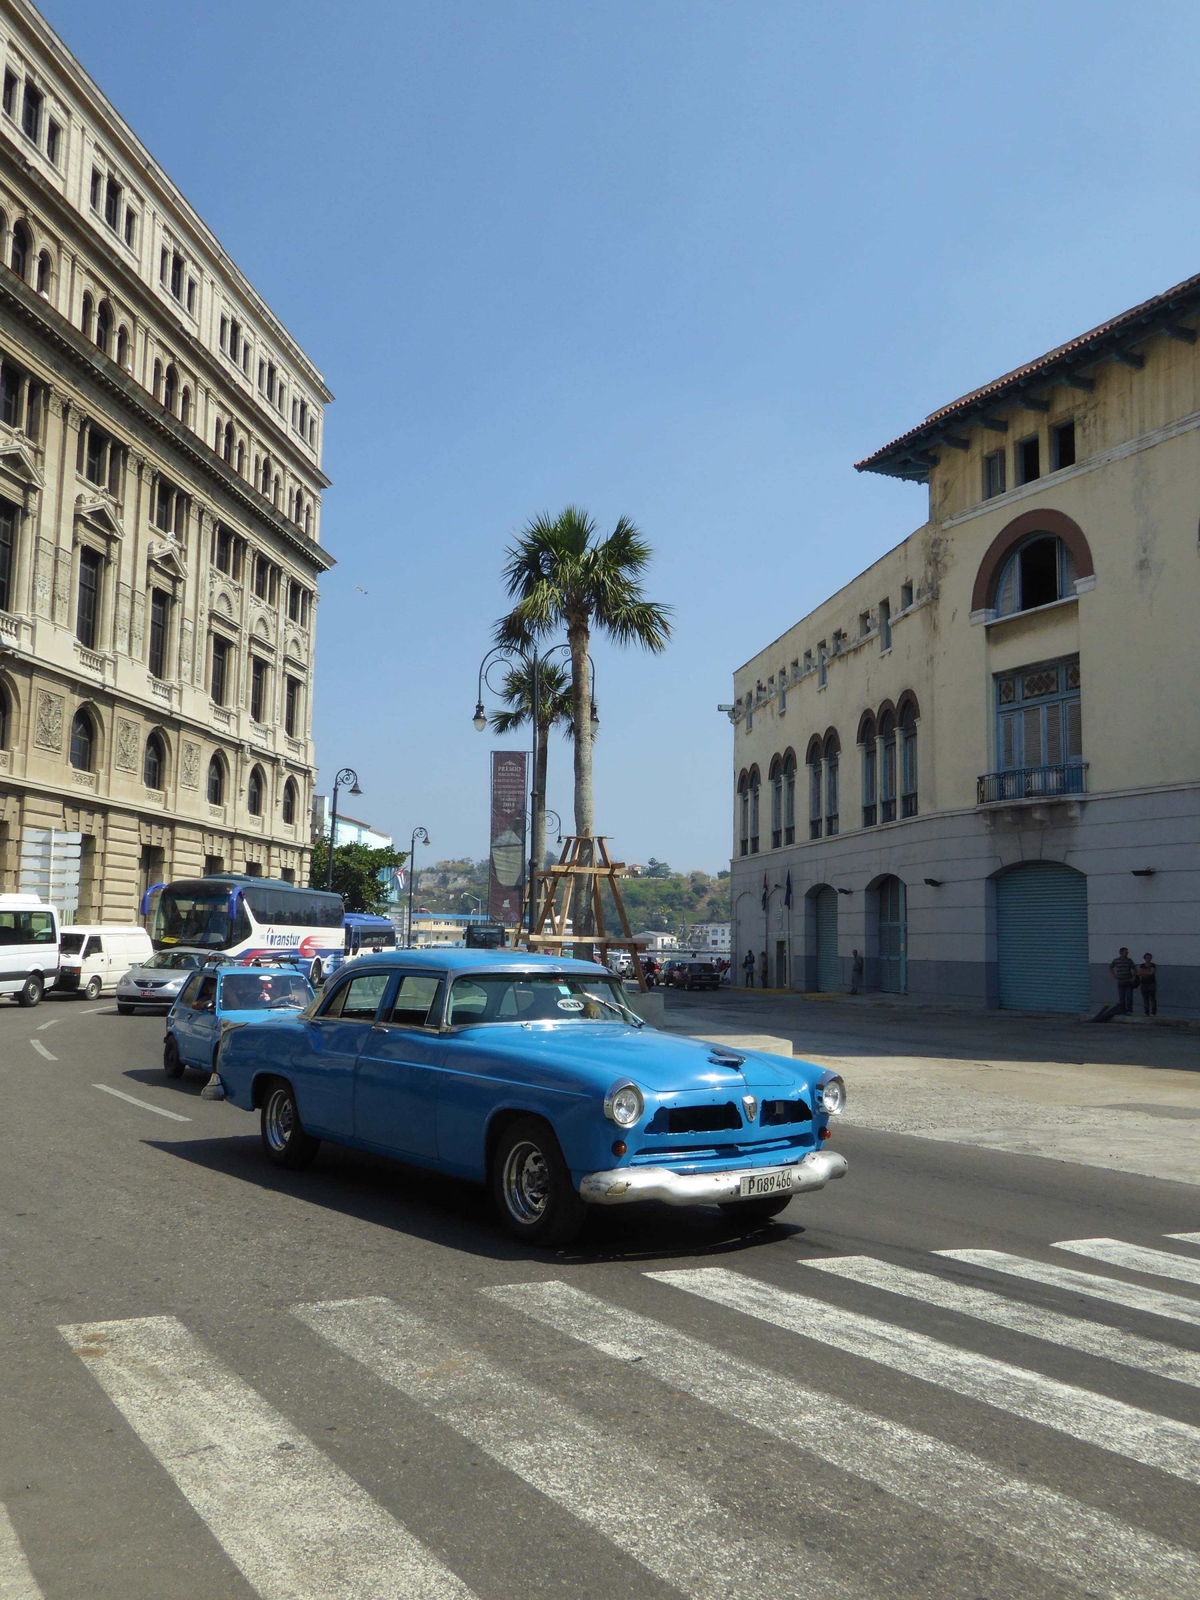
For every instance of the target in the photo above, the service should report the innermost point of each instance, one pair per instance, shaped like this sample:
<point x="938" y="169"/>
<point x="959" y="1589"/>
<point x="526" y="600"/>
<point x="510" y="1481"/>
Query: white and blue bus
<point x="244" y="917"/>
<point x="364" y="934"/>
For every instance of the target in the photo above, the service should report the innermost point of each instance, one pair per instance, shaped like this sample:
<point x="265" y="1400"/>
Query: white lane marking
<point x="1052" y="1531"/>
<point x="1156" y="1301"/>
<point x="667" y="1523"/>
<point x="16" y="1579"/>
<point x="43" y="1025"/>
<point x="175" y="1116"/>
<point x="1188" y="1238"/>
<point x="1092" y="1338"/>
<point x="92" y="1011"/>
<point x="1135" y="1258"/>
<point x="1110" y="1425"/>
<point x="295" y="1524"/>
<point x="41" y="1049"/>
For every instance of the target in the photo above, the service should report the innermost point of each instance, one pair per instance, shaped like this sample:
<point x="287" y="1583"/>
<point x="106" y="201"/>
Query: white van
<point x="28" y="947"/>
<point x="93" y="961"/>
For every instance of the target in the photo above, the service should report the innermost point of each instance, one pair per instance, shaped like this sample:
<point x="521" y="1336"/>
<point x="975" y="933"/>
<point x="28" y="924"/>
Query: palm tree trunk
<point x="537" y="822"/>
<point x="579" y="637"/>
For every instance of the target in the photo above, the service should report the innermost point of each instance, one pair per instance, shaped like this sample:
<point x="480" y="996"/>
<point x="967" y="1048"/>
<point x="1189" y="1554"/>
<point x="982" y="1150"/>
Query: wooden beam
<point x="1030" y="404"/>
<point x="954" y="440"/>
<point x="1075" y="380"/>
<point x="996" y="424"/>
<point x="1184" y="335"/>
<point x="1130" y="358"/>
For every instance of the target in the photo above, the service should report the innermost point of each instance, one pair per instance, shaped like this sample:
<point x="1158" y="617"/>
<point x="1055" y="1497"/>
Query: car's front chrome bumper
<point x="699" y="1188"/>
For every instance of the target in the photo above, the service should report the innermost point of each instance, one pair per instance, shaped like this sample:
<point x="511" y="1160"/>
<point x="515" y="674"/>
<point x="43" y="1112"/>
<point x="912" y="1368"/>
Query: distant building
<point x="160" y="491"/>
<point x="714" y="937"/>
<point x="977" y="763"/>
<point x="656" y="942"/>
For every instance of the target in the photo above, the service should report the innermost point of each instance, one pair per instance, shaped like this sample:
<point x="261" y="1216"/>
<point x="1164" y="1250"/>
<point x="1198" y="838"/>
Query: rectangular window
<point x="160" y="614"/>
<point x="9" y="513"/>
<point x="96" y="188"/>
<point x="22" y="399"/>
<point x="31" y="112"/>
<point x="176" y="284"/>
<point x="170" y="507"/>
<point x="53" y="139"/>
<point x="222" y="652"/>
<point x="258" y="689"/>
<point x="293" y="691"/>
<point x="130" y="226"/>
<point x="885" y="625"/>
<point x="1038" y="717"/>
<point x="87" y="608"/>
<point x="906" y="596"/>
<point x="101" y="458"/>
<point x="815" y="813"/>
<point x="1062" y="446"/>
<point x="1029" y="464"/>
<point x="11" y="84"/>
<point x="869" y="801"/>
<point x="112" y="202"/>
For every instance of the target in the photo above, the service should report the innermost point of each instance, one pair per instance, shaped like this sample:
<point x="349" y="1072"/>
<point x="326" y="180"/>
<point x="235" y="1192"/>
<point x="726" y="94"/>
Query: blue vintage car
<point x="531" y="1073"/>
<point x="215" y="998"/>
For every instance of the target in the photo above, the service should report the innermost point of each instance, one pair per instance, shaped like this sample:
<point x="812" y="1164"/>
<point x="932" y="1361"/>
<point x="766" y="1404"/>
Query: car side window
<point x="206" y="992"/>
<point x="417" y="1001"/>
<point x="357" y="999"/>
<point x="187" y="995"/>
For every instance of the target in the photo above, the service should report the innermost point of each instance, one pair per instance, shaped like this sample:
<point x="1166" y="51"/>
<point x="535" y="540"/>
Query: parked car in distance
<point x="93" y="959"/>
<point x="530" y="1073"/>
<point x="693" y="975"/>
<point x="215" y="999"/>
<point x="154" y="984"/>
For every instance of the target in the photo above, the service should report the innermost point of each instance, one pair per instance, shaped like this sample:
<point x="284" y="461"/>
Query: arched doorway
<point x="891" y="900"/>
<point x="825" y="930"/>
<point x="1042" y="938"/>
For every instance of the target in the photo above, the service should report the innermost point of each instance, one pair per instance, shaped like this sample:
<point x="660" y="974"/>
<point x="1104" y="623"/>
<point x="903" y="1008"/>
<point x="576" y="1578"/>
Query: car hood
<point x="178" y="975"/>
<point x="663" y="1063"/>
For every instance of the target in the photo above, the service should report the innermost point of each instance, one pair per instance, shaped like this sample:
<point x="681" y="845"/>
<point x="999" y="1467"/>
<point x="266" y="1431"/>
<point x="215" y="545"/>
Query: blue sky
<point x="684" y="262"/>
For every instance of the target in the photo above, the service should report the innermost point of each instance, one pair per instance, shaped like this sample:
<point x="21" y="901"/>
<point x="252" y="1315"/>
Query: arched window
<point x="156" y="385"/>
<point x="83" y="742"/>
<point x="289" y="801"/>
<point x="743" y="790"/>
<point x="254" y="792"/>
<point x="104" y="322"/>
<point x="308" y="519"/>
<point x="755" y="786"/>
<point x="154" y="763"/>
<point x="218" y="435"/>
<point x="44" y="269"/>
<point x="265" y="481"/>
<point x="22" y="246"/>
<point x="776" y="777"/>
<point x="241" y="460"/>
<point x="816" y="814"/>
<point x="1040" y="570"/>
<point x="87" y="316"/>
<point x="908" y="756"/>
<point x="831" y="751"/>
<point x="789" y="798"/>
<point x="277" y="491"/>
<point x="5" y="717"/>
<point x="870" y="771"/>
<point x="887" y="766"/>
<point x="185" y="407"/>
<point x="170" y="387"/>
<point x="123" y="346"/>
<point x="227" y="444"/>
<point x="216" y="781"/>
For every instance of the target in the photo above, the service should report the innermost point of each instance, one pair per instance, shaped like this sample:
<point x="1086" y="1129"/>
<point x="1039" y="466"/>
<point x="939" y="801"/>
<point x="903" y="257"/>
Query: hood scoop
<point x="720" y="1057"/>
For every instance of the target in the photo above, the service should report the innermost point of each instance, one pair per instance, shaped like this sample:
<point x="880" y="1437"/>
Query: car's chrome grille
<point x="657" y="1154"/>
<point x="695" y="1119"/>
<point x="776" y="1111"/>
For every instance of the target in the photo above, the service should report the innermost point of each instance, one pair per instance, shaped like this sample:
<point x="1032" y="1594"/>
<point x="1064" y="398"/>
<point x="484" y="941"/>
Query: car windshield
<point x="537" y="997"/>
<point x="264" y="991"/>
<point x="174" y="960"/>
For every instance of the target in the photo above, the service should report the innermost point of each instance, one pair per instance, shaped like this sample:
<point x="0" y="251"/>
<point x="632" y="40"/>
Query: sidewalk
<point x="1126" y="1098"/>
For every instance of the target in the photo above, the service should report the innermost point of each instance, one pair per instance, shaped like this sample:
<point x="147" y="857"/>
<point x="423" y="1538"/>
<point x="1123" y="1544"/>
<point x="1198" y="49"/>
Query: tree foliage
<point x="357" y="873"/>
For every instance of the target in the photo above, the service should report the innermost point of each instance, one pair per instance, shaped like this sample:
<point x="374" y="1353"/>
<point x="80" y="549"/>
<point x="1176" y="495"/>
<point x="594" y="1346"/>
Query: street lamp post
<point x="417" y="833"/>
<point x="347" y="776"/>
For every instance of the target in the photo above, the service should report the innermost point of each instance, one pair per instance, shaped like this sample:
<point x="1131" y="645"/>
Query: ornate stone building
<point x="160" y="483"/>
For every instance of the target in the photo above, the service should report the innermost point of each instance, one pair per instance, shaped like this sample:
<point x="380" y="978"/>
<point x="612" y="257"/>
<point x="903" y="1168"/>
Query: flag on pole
<point x="766" y="892"/>
<point x="787" y="890"/>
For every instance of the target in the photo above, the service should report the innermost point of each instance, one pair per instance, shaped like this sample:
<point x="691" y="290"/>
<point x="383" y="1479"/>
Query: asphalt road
<point x="221" y="1381"/>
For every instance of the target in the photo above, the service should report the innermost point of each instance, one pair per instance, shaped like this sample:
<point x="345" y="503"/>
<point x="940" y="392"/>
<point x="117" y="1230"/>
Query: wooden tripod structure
<point x="584" y="863"/>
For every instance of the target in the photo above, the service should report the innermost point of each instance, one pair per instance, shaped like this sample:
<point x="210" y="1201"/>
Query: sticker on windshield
<point x="570" y="1005"/>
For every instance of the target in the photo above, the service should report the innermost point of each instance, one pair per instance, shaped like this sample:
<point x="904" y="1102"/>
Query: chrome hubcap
<point x="281" y="1119"/>
<point x="526" y="1181"/>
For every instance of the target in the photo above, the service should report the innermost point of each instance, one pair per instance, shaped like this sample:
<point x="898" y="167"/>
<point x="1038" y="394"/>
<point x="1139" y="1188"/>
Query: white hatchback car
<point x="155" y="983"/>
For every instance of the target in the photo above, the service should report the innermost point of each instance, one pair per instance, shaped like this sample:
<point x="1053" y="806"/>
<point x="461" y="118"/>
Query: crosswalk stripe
<point x="1161" y="1442"/>
<point x="1134" y="1295"/>
<point x="1093" y="1339"/>
<point x="16" y="1579"/>
<point x="667" y="1523"/>
<point x="296" y="1525"/>
<point x="1134" y="1258"/>
<point x="1188" y="1238"/>
<point x="1065" y="1538"/>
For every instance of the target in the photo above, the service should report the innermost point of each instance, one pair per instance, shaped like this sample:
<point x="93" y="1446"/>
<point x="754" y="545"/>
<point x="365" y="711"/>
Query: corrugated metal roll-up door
<point x="1042" y="938"/>
<point x="829" y="969"/>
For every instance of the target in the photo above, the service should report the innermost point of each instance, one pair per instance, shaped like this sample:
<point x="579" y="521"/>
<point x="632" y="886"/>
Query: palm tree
<point x="554" y="693"/>
<point x="561" y="575"/>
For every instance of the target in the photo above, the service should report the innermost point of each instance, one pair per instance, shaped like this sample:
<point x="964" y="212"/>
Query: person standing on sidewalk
<point x="1125" y="976"/>
<point x="748" y="968"/>
<point x="856" y="971"/>
<point x="1147" y="976"/>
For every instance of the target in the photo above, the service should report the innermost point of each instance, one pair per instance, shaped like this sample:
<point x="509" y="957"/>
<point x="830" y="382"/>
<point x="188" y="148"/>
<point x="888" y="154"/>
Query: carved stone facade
<point x="131" y="462"/>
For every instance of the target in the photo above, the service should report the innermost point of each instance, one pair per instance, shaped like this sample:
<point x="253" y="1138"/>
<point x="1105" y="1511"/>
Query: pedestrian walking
<point x="1125" y="976"/>
<point x="856" y="971"/>
<point x="748" y="968"/>
<point x="1147" y="976"/>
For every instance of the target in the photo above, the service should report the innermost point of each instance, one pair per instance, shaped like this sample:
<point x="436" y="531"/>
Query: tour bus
<point x="244" y="917"/>
<point x="364" y="934"/>
<point x="29" y="935"/>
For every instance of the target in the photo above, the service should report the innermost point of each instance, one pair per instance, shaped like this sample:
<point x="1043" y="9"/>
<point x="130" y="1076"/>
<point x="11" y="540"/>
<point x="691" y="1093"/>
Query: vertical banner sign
<point x="506" y="876"/>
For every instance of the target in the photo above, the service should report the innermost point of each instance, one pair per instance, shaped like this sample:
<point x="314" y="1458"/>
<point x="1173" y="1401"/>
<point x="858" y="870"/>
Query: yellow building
<point x="160" y="483"/>
<point x="978" y="764"/>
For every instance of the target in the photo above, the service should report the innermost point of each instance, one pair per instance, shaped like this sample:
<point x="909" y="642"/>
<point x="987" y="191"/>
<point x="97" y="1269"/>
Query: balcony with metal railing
<point x="1061" y="780"/>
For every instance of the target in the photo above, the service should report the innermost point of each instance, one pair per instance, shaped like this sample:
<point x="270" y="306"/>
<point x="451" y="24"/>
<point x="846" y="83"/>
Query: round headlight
<point x="623" y="1104"/>
<point x="833" y="1096"/>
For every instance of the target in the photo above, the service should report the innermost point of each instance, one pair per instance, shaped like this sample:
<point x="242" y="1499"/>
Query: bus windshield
<point x="198" y="914"/>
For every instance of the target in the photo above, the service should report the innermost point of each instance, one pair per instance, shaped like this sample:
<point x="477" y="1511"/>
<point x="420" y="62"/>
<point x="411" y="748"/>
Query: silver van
<point x="93" y="960"/>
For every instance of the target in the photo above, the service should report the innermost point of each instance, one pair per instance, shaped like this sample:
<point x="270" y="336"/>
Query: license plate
<point x="777" y="1181"/>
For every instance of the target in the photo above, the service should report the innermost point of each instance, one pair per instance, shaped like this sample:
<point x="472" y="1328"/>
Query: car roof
<point x="451" y="959"/>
